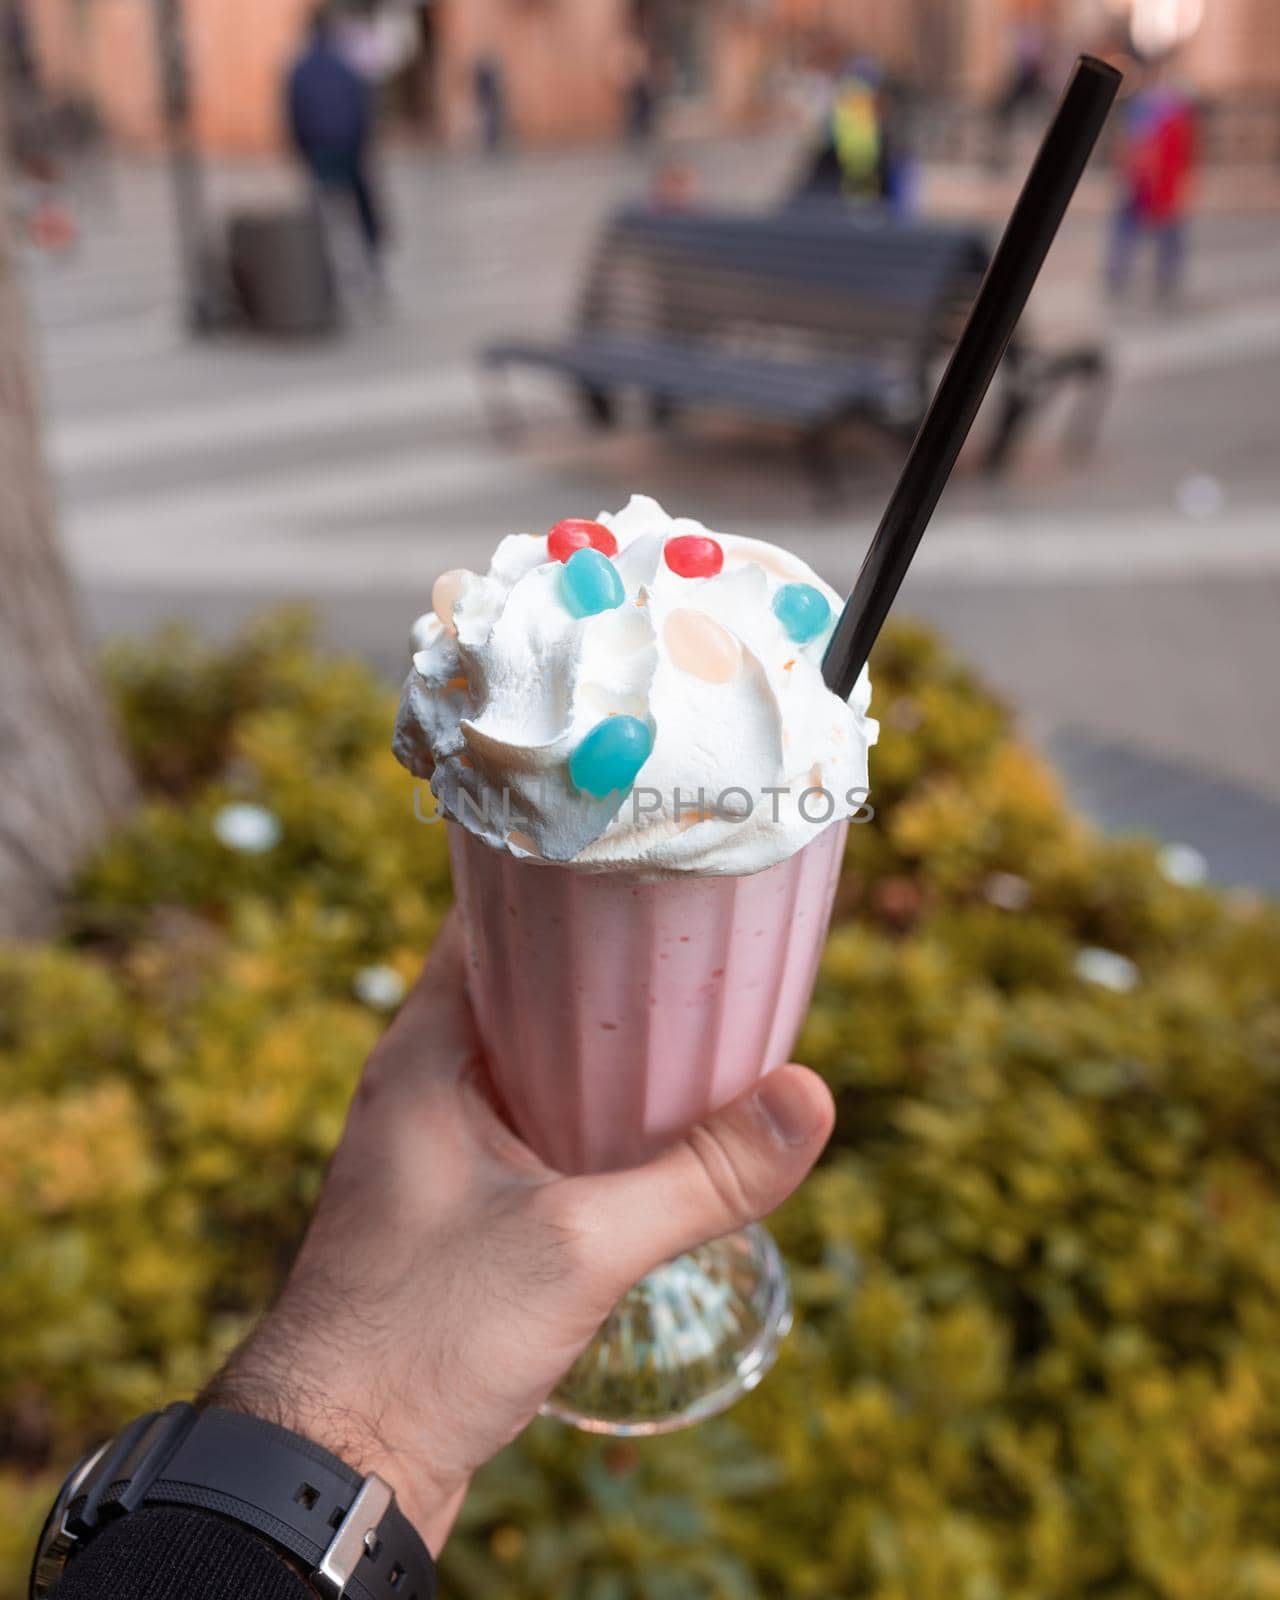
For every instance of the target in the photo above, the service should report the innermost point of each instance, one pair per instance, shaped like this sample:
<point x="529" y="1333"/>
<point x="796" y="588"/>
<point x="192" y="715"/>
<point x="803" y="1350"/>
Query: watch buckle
<point x="356" y="1536"/>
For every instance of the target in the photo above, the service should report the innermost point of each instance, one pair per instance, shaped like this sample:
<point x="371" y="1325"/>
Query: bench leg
<point x="663" y="411"/>
<point x="505" y="419"/>
<point x="1015" y="407"/>
<point x="598" y="406"/>
<point x="1034" y="383"/>
<point x="1085" y="425"/>
<point x="818" y="455"/>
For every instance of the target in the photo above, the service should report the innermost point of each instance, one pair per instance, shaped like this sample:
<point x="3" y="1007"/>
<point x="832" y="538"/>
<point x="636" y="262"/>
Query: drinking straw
<point x="1001" y="297"/>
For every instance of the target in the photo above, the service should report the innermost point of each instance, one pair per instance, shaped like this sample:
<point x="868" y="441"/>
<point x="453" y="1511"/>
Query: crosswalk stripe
<point x="253" y="538"/>
<point x="1227" y="336"/>
<point x="238" y="518"/>
<point x="273" y="416"/>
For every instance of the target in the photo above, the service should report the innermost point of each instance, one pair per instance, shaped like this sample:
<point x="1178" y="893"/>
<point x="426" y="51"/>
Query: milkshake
<point x="616" y="1013"/>
<point x="648" y="787"/>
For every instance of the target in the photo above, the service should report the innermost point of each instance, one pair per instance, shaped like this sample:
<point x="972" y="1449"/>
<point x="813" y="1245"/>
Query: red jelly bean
<point x="693" y="556"/>
<point x="579" y="533"/>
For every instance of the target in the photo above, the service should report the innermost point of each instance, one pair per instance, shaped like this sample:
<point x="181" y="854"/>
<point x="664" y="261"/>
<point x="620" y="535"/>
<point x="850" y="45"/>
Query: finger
<point x="433" y="1037"/>
<point x="733" y="1168"/>
<point x="442" y="983"/>
<point x="430" y="1065"/>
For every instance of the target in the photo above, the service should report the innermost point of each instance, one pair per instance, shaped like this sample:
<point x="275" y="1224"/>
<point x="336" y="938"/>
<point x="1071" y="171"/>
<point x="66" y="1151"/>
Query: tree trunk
<point x="63" y="778"/>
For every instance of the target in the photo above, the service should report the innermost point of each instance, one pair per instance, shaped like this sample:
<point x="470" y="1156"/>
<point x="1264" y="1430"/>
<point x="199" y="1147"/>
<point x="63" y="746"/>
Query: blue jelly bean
<point x="590" y="582"/>
<point x="610" y="755"/>
<point x="802" y="610"/>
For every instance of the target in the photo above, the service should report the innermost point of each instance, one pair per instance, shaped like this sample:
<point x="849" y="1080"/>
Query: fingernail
<point x="788" y="1111"/>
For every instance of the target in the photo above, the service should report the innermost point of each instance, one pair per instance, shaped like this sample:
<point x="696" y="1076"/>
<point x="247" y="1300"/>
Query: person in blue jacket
<point x="330" y="114"/>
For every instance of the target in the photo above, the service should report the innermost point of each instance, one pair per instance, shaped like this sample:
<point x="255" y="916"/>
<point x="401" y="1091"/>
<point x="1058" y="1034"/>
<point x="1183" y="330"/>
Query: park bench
<point x="812" y="317"/>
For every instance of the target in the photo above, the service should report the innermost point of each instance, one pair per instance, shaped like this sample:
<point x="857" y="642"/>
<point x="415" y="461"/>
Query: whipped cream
<point x="752" y="754"/>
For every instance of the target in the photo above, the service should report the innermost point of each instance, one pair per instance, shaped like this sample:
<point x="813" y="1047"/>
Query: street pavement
<point x="1125" y="603"/>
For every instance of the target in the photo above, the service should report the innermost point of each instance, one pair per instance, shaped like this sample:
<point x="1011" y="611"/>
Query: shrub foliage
<point x="1038" y="1273"/>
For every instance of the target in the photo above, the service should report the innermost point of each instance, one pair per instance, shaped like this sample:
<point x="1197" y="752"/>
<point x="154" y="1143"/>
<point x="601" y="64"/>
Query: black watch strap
<point x="343" y="1529"/>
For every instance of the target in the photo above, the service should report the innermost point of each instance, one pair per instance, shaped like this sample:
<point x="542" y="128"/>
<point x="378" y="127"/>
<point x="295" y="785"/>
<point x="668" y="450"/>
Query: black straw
<point x="1000" y="300"/>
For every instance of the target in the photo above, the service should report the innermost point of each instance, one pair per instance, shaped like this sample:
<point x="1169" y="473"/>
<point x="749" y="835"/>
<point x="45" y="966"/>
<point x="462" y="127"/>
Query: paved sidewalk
<point x="1126" y="604"/>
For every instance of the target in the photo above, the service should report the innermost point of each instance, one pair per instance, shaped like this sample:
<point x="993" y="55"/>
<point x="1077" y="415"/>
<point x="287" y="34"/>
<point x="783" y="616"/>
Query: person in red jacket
<point x="1157" y="162"/>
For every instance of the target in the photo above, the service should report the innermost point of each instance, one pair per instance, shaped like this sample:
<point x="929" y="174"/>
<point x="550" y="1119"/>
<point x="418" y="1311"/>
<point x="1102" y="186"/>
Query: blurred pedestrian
<point x="1024" y="85"/>
<point x="488" y="83"/>
<point x="331" y="121"/>
<point x="1156" y="162"/>
<point x="857" y="132"/>
<point x="637" y="86"/>
<point x="31" y="132"/>
<point x="15" y="44"/>
<point x="862" y="155"/>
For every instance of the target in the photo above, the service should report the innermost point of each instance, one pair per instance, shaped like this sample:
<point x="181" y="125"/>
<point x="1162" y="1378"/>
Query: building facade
<point x="568" y="67"/>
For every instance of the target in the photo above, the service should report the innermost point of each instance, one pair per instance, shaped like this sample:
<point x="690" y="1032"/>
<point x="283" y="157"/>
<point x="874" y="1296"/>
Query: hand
<point x="449" y="1278"/>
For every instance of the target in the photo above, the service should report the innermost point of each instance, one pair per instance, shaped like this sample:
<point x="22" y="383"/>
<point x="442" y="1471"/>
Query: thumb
<point x="731" y="1169"/>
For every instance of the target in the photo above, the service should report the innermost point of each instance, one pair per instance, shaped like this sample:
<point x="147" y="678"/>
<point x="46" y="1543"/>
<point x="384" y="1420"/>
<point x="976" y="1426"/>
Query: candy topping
<point x="591" y="583"/>
<point x="693" y="555"/>
<point x="444" y="595"/>
<point x="610" y="756"/>
<point x="699" y="646"/>
<point x="579" y="533"/>
<point x="802" y="610"/>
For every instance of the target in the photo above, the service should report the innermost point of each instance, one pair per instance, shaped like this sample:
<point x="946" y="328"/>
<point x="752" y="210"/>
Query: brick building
<point x="723" y="63"/>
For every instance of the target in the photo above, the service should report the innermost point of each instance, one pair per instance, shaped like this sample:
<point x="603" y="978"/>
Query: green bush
<point x="1038" y="1352"/>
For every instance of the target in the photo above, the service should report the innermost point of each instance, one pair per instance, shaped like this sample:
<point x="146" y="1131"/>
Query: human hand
<point x="449" y="1278"/>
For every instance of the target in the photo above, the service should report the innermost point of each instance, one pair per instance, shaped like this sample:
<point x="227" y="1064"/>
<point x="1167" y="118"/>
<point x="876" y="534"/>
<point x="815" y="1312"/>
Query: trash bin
<point x="281" y="272"/>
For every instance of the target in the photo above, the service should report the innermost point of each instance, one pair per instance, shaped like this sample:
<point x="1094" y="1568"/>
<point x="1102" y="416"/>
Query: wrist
<point x="348" y="1431"/>
<point x="341" y="1528"/>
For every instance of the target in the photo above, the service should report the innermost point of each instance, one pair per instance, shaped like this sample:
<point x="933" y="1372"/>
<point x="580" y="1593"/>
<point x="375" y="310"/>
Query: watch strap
<point x="343" y="1528"/>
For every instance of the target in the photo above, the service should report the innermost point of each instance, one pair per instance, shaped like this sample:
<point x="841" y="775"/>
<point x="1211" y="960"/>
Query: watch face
<point x="52" y="1550"/>
<point x="55" y="1546"/>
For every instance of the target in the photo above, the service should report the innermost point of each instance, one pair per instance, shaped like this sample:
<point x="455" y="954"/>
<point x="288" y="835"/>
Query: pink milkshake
<point x="616" y="1014"/>
<point x="648" y="787"/>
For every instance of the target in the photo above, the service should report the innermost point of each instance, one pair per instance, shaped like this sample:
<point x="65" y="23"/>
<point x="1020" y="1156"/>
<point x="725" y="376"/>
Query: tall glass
<point x="617" y="1013"/>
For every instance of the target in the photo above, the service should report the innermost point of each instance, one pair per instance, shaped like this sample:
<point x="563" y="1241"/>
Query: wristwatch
<point x="343" y="1529"/>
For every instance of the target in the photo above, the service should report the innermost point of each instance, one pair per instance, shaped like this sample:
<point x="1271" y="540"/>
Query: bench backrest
<point x="814" y="282"/>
